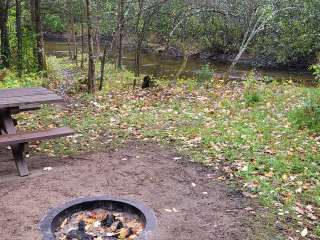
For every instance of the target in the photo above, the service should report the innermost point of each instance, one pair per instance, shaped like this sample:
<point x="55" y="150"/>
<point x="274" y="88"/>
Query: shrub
<point x="317" y="231"/>
<point x="252" y="92"/>
<point x="11" y="80"/>
<point x="308" y="115"/>
<point x="316" y="72"/>
<point x="204" y="75"/>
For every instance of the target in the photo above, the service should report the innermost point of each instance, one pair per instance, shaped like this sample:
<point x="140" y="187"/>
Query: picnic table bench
<point x="13" y="101"/>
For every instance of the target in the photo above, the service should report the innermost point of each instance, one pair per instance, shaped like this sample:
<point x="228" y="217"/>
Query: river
<point x="153" y="64"/>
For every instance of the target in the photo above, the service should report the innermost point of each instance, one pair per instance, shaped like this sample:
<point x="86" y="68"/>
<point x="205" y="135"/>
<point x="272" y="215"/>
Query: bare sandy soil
<point x="150" y="173"/>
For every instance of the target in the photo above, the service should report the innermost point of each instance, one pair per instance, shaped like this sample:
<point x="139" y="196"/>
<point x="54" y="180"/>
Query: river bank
<point x="156" y="64"/>
<point x="210" y="54"/>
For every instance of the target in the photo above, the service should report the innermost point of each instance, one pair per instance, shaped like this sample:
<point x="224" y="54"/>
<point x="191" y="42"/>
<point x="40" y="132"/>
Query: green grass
<point x="252" y="133"/>
<point x="308" y="114"/>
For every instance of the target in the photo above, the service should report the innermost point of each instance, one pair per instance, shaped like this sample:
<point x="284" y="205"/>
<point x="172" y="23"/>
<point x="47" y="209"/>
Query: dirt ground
<point x="145" y="172"/>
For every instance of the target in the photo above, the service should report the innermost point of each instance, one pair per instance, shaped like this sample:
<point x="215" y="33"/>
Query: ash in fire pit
<point x="100" y="218"/>
<point x="100" y="224"/>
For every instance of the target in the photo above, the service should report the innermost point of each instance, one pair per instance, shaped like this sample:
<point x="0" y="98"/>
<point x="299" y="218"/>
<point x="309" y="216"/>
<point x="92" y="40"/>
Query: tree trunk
<point x="33" y="29"/>
<point x="69" y="45"/>
<point x="19" y="37"/>
<point x="114" y="47"/>
<point x="183" y="66"/>
<point x="139" y="39"/>
<point x="138" y="58"/>
<point x="257" y="24"/>
<point x="103" y="63"/>
<point x="82" y="44"/>
<point x="74" y="39"/>
<point x="39" y="37"/>
<point x="5" y="45"/>
<point x="97" y="39"/>
<point x="120" y="32"/>
<point x="91" y="68"/>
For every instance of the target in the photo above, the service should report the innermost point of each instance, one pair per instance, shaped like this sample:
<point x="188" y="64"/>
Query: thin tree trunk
<point x="19" y="37"/>
<point x="249" y="35"/>
<point x="182" y="67"/>
<point x="91" y="68"/>
<point x="40" y="44"/>
<point x="139" y="39"/>
<point x="82" y="44"/>
<point x="120" y="32"/>
<point x="33" y="27"/>
<point x="103" y="63"/>
<point x="97" y="38"/>
<point x="74" y="39"/>
<point x="138" y="58"/>
<point x="5" y="45"/>
<point x="114" y="47"/>
<point x="69" y="46"/>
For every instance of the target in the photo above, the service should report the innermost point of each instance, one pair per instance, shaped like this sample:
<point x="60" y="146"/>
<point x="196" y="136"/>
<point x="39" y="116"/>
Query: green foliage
<point x="292" y="36"/>
<point x="317" y="231"/>
<point x="28" y="41"/>
<point x="308" y="115"/>
<point x="11" y="80"/>
<point x="53" y="23"/>
<point x="316" y="71"/>
<point x="252" y="93"/>
<point x="205" y="74"/>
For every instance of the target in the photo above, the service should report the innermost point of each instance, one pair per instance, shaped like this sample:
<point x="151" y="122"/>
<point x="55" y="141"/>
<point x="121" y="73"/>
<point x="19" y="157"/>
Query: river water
<point x="153" y="64"/>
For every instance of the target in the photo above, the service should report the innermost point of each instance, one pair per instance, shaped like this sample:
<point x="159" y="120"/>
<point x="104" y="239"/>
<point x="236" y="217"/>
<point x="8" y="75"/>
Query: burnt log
<point x="146" y="82"/>
<point x="79" y="234"/>
<point x="108" y="221"/>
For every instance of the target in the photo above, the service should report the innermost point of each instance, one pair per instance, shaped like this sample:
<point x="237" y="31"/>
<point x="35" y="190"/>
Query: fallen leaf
<point x="304" y="232"/>
<point x="47" y="169"/>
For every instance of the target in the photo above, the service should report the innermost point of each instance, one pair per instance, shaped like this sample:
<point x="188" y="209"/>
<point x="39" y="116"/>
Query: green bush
<point x="204" y="75"/>
<point x="11" y="80"/>
<point x="317" y="231"/>
<point x="252" y="93"/>
<point x="308" y="115"/>
<point x="316" y="72"/>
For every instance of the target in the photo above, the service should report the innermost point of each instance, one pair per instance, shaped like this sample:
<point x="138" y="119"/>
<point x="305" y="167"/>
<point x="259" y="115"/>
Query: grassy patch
<point x="308" y="114"/>
<point x="247" y="132"/>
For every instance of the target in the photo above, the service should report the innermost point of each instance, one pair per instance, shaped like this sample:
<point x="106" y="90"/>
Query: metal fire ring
<point x="55" y="216"/>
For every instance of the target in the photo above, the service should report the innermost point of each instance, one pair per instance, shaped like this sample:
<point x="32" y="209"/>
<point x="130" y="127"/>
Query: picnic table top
<point x="19" y="97"/>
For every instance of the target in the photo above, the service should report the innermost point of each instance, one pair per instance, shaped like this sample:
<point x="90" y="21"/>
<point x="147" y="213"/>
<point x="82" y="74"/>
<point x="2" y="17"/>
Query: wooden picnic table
<point x="13" y="101"/>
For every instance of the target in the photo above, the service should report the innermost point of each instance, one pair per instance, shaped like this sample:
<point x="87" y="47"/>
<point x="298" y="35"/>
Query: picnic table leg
<point x="18" y="150"/>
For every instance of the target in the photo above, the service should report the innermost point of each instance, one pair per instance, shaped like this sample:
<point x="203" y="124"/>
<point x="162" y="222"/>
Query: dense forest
<point x="252" y="138"/>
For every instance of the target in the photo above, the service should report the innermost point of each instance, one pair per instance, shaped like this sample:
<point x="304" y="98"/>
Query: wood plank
<point x="12" y="92"/>
<point x="11" y="139"/>
<point x="25" y="108"/>
<point x="25" y="100"/>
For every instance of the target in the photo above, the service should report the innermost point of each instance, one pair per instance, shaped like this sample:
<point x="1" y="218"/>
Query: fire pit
<point x="99" y="218"/>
